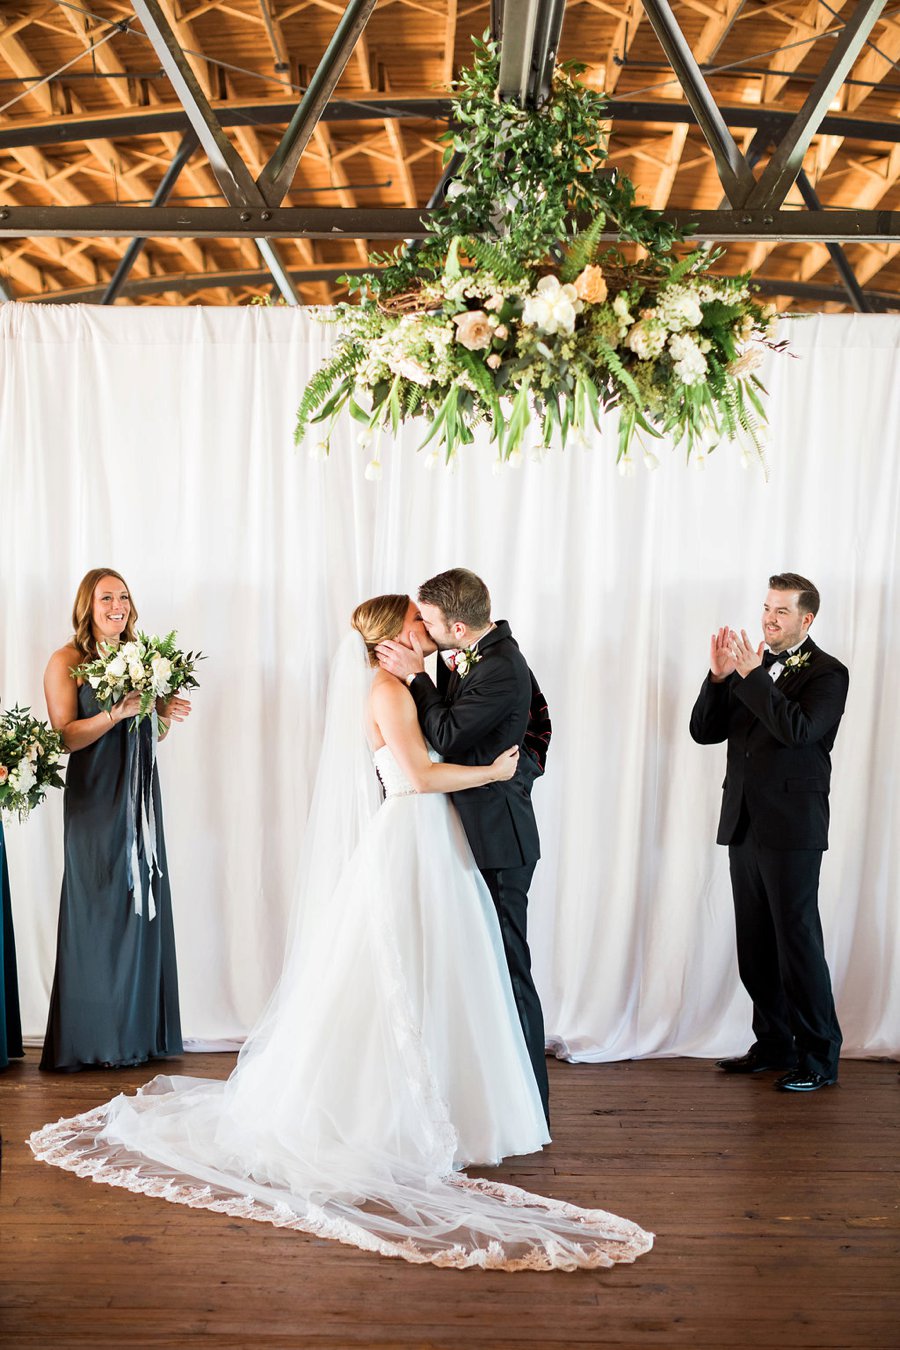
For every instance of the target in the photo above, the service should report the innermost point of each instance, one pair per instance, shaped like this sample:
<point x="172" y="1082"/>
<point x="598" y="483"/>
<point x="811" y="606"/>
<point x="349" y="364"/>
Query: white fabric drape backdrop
<point x="158" y="441"/>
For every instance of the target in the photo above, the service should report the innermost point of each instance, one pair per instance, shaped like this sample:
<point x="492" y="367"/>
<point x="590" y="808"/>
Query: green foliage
<point x="482" y="320"/>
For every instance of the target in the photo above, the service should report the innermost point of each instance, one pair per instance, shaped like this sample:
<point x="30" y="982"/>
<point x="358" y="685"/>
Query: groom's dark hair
<point x="807" y="594"/>
<point x="460" y="596"/>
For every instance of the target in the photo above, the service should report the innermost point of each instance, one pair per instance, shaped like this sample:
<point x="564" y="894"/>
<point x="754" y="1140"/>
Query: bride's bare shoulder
<point x="386" y="688"/>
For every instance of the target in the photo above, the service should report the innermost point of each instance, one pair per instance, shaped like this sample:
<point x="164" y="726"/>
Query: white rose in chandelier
<point x="690" y="363"/>
<point x="647" y="338"/>
<point x="553" y="307"/>
<point x="412" y="370"/>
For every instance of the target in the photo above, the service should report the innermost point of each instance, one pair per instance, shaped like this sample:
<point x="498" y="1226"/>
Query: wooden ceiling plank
<point x="18" y="58"/>
<point x="14" y="264"/>
<point x="449" y="43"/>
<point x="813" y="19"/>
<point x="106" y="59"/>
<point x="876" y="62"/>
<point x="322" y="135"/>
<point x="629" y="18"/>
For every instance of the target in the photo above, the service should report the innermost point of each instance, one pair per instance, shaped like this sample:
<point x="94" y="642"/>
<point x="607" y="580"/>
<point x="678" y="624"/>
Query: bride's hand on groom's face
<point x="400" y="660"/>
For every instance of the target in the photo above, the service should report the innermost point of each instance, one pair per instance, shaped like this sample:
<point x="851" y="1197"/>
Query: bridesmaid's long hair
<point x="380" y="618"/>
<point x="83" y="609"/>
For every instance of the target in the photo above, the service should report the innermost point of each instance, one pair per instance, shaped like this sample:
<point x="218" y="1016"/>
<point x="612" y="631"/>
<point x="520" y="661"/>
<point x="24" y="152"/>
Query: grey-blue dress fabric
<point x="115" y="989"/>
<point x="10" y="1024"/>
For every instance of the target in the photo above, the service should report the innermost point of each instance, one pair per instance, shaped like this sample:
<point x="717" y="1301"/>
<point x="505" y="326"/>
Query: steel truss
<point x="752" y="210"/>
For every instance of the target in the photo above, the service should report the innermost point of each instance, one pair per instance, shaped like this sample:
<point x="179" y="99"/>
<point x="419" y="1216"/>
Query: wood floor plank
<point x="777" y="1222"/>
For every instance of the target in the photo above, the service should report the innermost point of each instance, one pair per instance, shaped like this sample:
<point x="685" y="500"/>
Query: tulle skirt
<point x="390" y="1056"/>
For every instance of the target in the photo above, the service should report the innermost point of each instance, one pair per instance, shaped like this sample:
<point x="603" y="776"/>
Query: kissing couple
<point x="405" y="1038"/>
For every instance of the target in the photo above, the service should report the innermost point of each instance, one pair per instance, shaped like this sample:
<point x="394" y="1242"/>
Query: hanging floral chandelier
<point x="510" y="315"/>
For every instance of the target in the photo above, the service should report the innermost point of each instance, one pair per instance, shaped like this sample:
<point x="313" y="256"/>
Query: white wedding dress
<point x="389" y="1057"/>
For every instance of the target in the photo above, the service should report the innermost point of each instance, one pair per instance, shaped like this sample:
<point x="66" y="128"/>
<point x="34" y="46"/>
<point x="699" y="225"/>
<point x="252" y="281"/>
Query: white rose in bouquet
<point x="117" y="668"/>
<point x="136" y="671"/>
<point x="162" y="674"/>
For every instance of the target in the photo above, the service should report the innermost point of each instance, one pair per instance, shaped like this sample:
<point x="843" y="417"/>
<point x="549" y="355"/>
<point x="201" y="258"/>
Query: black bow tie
<point x="770" y="658"/>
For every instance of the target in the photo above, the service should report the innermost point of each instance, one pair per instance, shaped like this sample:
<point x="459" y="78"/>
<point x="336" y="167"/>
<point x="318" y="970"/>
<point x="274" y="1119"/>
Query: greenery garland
<point x="510" y="314"/>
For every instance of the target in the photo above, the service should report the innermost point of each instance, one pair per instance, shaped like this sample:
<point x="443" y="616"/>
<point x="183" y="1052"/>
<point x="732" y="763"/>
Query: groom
<point x="487" y="702"/>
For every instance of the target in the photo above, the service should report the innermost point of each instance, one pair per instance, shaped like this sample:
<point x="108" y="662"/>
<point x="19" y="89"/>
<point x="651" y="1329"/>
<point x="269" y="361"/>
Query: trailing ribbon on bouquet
<point x="141" y="837"/>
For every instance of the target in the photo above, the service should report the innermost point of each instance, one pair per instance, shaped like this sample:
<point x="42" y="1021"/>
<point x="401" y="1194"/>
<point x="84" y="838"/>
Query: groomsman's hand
<point x="399" y="660"/>
<point x="746" y="656"/>
<point x="721" y="657"/>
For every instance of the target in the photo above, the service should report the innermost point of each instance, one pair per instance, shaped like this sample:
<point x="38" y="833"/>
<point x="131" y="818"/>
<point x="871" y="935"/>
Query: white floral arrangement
<point x="152" y="666"/>
<point x="29" y="755"/>
<point x="511" y="316"/>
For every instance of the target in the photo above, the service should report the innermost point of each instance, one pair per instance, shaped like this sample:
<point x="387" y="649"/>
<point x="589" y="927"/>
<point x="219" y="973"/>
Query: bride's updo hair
<point x="379" y="619"/>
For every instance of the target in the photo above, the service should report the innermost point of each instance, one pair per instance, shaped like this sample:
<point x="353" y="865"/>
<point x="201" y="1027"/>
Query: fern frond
<point x="583" y="250"/>
<point x="494" y="258"/>
<point x="322" y="383"/>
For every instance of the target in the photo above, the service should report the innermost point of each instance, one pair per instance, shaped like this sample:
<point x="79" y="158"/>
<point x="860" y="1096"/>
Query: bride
<point x="391" y="1054"/>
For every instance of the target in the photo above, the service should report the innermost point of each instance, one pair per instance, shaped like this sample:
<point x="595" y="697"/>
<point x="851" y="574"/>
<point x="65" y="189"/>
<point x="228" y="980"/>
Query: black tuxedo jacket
<point x="477" y="716"/>
<point x="779" y="737"/>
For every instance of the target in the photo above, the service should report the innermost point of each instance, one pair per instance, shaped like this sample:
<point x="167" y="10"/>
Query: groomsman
<point x="779" y="710"/>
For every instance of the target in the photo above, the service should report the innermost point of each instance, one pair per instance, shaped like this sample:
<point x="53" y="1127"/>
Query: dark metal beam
<point x="320" y="222"/>
<point x="232" y="174"/>
<point x="192" y="282"/>
<point x="156" y="121"/>
<point x="733" y="170"/>
<point x="275" y="180"/>
<point x="838" y="256"/>
<point x="160" y="197"/>
<point x="529" y="39"/>
<point x="781" y="171"/>
<point x="277" y="268"/>
<point x="880" y="302"/>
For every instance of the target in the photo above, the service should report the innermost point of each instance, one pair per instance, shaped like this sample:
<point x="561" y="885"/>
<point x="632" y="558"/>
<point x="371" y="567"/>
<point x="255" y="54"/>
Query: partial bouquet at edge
<point x="29" y="755"/>
<point x="513" y="314"/>
<point x="152" y="666"/>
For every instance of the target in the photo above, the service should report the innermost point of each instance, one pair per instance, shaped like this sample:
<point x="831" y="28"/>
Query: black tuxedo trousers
<point x="774" y="820"/>
<point x="471" y="720"/>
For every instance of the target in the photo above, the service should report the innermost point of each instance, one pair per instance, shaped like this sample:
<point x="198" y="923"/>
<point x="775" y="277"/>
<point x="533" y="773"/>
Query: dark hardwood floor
<point x="777" y="1221"/>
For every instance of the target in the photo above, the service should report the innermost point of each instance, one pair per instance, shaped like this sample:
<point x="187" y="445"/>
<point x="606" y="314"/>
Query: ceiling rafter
<point x="111" y="132"/>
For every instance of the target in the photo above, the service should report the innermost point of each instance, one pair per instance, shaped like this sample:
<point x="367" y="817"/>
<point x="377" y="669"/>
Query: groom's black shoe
<point x="755" y="1062"/>
<point x="803" y="1080"/>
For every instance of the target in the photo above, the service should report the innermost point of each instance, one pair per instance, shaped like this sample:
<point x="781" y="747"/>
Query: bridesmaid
<point x="115" y="989"/>
<point x="10" y="1025"/>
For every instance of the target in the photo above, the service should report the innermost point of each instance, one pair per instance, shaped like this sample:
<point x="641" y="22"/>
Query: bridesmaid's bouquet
<point x="29" y="755"/>
<point x="152" y="666"/>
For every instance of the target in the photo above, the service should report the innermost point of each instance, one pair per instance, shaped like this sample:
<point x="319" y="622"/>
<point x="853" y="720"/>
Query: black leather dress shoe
<point x="754" y="1062"/>
<point x="803" y="1080"/>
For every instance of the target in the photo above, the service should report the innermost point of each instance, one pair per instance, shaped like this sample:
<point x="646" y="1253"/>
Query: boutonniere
<point x="797" y="661"/>
<point x="463" y="660"/>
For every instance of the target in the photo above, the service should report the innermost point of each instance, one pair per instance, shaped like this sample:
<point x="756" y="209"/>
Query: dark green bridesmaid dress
<point x="115" y="989"/>
<point x="10" y="1024"/>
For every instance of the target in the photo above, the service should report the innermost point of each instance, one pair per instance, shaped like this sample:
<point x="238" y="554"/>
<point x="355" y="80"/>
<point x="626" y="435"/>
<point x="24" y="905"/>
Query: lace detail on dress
<point x="607" y="1240"/>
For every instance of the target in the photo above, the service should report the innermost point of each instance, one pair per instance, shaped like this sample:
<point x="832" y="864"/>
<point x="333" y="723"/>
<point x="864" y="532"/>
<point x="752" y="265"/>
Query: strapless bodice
<point x="392" y="778"/>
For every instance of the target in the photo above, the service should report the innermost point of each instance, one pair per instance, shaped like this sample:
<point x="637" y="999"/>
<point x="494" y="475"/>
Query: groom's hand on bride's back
<point x="399" y="660"/>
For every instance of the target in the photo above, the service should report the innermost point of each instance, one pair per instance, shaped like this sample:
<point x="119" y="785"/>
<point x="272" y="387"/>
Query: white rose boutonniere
<point x="463" y="660"/>
<point x="797" y="661"/>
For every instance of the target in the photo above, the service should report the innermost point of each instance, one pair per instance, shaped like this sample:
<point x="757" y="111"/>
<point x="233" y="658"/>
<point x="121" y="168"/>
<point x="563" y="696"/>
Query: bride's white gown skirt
<point x="390" y="1058"/>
